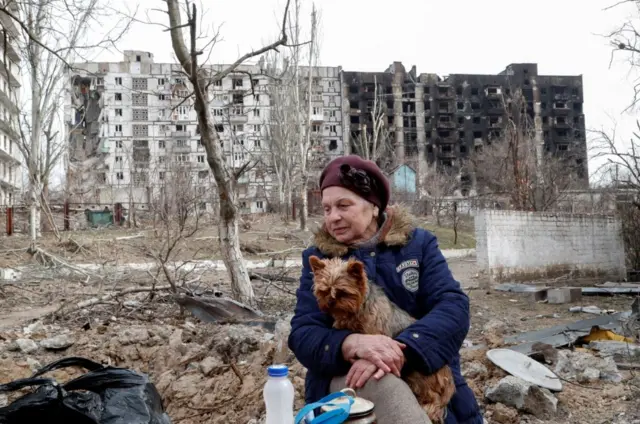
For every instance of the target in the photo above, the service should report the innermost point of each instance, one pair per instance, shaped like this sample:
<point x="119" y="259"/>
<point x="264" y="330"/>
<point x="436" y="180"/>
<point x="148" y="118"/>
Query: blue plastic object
<point x="335" y="416"/>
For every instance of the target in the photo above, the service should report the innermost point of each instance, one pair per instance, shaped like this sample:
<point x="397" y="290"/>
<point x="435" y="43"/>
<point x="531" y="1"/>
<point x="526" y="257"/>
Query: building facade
<point x="133" y="133"/>
<point x="10" y="155"/>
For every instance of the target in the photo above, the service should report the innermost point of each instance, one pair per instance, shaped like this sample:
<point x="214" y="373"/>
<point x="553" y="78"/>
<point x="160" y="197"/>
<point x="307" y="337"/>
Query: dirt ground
<point x="208" y="373"/>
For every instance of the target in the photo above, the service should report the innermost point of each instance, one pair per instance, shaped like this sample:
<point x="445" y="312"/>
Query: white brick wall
<point x="512" y="244"/>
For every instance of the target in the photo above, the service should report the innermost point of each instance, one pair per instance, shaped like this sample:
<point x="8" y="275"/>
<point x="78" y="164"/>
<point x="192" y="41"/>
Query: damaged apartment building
<point x="11" y="159"/>
<point x="442" y="121"/>
<point x="133" y="134"/>
<point x="132" y="129"/>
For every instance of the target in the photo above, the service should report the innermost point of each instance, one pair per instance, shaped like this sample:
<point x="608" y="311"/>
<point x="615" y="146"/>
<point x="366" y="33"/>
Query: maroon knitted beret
<point x="363" y="177"/>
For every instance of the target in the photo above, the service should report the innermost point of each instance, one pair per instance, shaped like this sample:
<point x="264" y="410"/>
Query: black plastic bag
<point x="104" y="395"/>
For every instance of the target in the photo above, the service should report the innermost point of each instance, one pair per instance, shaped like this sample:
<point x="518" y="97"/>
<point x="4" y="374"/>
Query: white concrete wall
<point x="527" y="245"/>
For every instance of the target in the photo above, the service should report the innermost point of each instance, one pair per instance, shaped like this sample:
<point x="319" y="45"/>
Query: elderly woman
<point x="413" y="273"/>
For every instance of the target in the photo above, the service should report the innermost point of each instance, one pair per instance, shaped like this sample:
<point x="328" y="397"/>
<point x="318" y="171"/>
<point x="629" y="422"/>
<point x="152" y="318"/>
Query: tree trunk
<point x="34" y="154"/>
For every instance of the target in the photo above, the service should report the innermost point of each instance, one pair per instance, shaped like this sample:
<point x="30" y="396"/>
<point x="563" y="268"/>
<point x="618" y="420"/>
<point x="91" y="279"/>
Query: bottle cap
<point x="278" y="371"/>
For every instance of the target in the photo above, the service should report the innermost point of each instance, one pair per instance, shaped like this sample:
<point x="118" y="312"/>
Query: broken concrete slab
<point x="59" y="342"/>
<point x="592" y="309"/>
<point x="615" y="348"/>
<point x="564" y="295"/>
<point x="585" y="367"/>
<point x="535" y="293"/>
<point x="524" y="396"/>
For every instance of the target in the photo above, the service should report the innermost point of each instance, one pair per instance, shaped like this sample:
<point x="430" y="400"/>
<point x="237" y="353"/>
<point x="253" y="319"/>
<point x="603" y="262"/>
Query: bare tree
<point x="200" y="77"/>
<point x="372" y="142"/>
<point x="515" y="166"/>
<point x="440" y="184"/>
<point x="307" y="145"/>
<point x="51" y="33"/>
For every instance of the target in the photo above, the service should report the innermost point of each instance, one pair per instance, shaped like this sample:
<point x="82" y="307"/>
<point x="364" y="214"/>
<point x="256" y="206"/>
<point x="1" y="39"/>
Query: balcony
<point x="181" y="149"/>
<point x="180" y="134"/>
<point x="8" y="129"/>
<point x="14" y="80"/>
<point x="317" y="117"/>
<point x="8" y="104"/>
<point x="5" y="156"/>
<point x="445" y="124"/>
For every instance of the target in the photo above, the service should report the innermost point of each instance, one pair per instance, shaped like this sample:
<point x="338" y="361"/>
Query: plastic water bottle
<point x="278" y="395"/>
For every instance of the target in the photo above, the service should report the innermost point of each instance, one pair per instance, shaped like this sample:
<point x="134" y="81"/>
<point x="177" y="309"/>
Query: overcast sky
<point x="455" y="36"/>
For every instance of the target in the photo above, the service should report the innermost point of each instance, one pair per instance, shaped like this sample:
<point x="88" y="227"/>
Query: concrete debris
<point x="59" y="342"/>
<point x="615" y="348"/>
<point x="211" y="365"/>
<point x="34" y="365"/>
<point x="502" y="414"/>
<point x="4" y="400"/>
<point x="239" y="340"/>
<point x="564" y="295"/>
<point x="26" y="345"/>
<point x="495" y="326"/>
<point x="133" y="336"/>
<point x="585" y="367"/>
<point x="591" y="310"/>
<point x="36" y="328"/>
<point x="474" y="369"/>
<point x="523" y="396"/>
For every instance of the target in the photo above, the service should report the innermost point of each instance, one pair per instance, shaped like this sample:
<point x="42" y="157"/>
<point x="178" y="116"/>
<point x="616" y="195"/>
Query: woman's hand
<point x="382" y="351"/>
<point x="360" y="372"/>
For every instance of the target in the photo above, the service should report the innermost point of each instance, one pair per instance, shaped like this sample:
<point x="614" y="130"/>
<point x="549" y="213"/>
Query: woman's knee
<point x="389" y="385"/>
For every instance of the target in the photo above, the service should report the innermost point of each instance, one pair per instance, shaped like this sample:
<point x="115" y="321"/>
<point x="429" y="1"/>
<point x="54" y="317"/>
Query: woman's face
<point x="348" y="217"/>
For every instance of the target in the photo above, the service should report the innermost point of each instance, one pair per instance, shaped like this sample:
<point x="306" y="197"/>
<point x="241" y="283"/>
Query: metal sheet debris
<point x="562" y="335"/>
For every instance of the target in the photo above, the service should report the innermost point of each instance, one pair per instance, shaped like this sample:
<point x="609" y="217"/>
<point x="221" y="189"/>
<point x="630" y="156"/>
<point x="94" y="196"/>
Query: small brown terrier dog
<point x="343" y="291"/>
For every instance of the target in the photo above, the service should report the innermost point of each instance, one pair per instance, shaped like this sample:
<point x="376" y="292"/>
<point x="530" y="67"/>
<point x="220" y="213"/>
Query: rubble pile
<point x="204" y="373"/>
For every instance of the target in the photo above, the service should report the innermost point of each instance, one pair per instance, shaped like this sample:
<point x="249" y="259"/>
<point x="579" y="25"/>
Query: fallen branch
<point x="48" y="258"/>
<point x="109" y="297"/>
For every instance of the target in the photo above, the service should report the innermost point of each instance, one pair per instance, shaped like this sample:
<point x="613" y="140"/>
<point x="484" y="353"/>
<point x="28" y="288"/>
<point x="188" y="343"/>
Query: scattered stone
<point x="34" y="328"/>
<point x="495" y="326"/>
<point x="26" y="345"/>
<point x="34" y="365"/>
<point x="4" y="400"/>
<point x="133" y="336"/>
<point x="59" y="342"/>
<point x="211" y="364"/>
<point x="474" y="370"/>
<point x="503" y="414"/>
<point x="240" y="340"/>
<point x="564" y="295"/>
<point x="524" y="396"/>
<point x="583" y="366"/>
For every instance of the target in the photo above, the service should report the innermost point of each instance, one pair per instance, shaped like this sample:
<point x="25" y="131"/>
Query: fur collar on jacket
<point x="395" y="232"/>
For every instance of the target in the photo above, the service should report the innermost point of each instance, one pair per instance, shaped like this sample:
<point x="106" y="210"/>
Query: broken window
<point x="444" y="133"/>
<point x="494" y="134"/>
<point x="118" y="80"/>
<point x="575" y="91"/>
<point x="200" y="158"/>
<point x="446" y="148"/>
<point x="237" y="83"/>
<point x="463" y="149"/>
<point x="459" y="91"/>
<point x="333" y="144"/>
<point x="443" y="107"/>
<point x="427" y="106"/>
<point x="492" y="90"/>
<point x="118" y="97"/>
<point x="161" y="175"/>
<point x="446" y="162"/>
<point x="545" y="119"/>
<point x="203" y="174"/>
<point x="562" y="133"/>
<point x="119" y="176"/>
<point x="474" y="91"/>
<point x="476" y="120"/>
<point x="139" y="84"/>
<point x="475" y="105"/>
<point x="443" y="90"/>
<point x="576" y="120"/>
<point x="526" y="82"/>
<point x="141" y="144"/>
<point x="563" y="147"/>
<point x="461" y="120"/>
<point x="543" y="90"/>
<point x="561" y="120"/>
<point x="238" y="99"/>
<point x="118" y="144"/>
<point x="161" y="97"/>
<point x="461" y="135"/>
<point x="494" y="120"/>
<point x="477" y="134"/>
<point x="219" y="128"/>
<point x="460" y="106"/>
<point x="139" y="99"/>
<point x="444" y="118"/>
<point x="577" y="134"/>
<point x="543" y="105"/>
<point x="118" y="112"/>
<point x="560" y="105"/>
<point x="119" y="128"/>
<point x="161" y="144"/>
<point x="138" y="58"/>
<point x="577" y="107"/>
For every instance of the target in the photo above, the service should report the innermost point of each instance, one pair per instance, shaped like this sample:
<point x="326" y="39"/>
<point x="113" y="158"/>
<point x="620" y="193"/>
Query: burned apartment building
<point x="11" y="160"/>
<point x="133" y="134"/>
<point x="432" y="120"/>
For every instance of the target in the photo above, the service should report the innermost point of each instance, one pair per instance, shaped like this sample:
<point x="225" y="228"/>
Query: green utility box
<point x="99" y="218"/>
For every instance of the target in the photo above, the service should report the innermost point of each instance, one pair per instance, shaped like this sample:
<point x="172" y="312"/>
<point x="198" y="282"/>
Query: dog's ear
<point x="316" y="263"/>
<point x="356" y="269"/>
